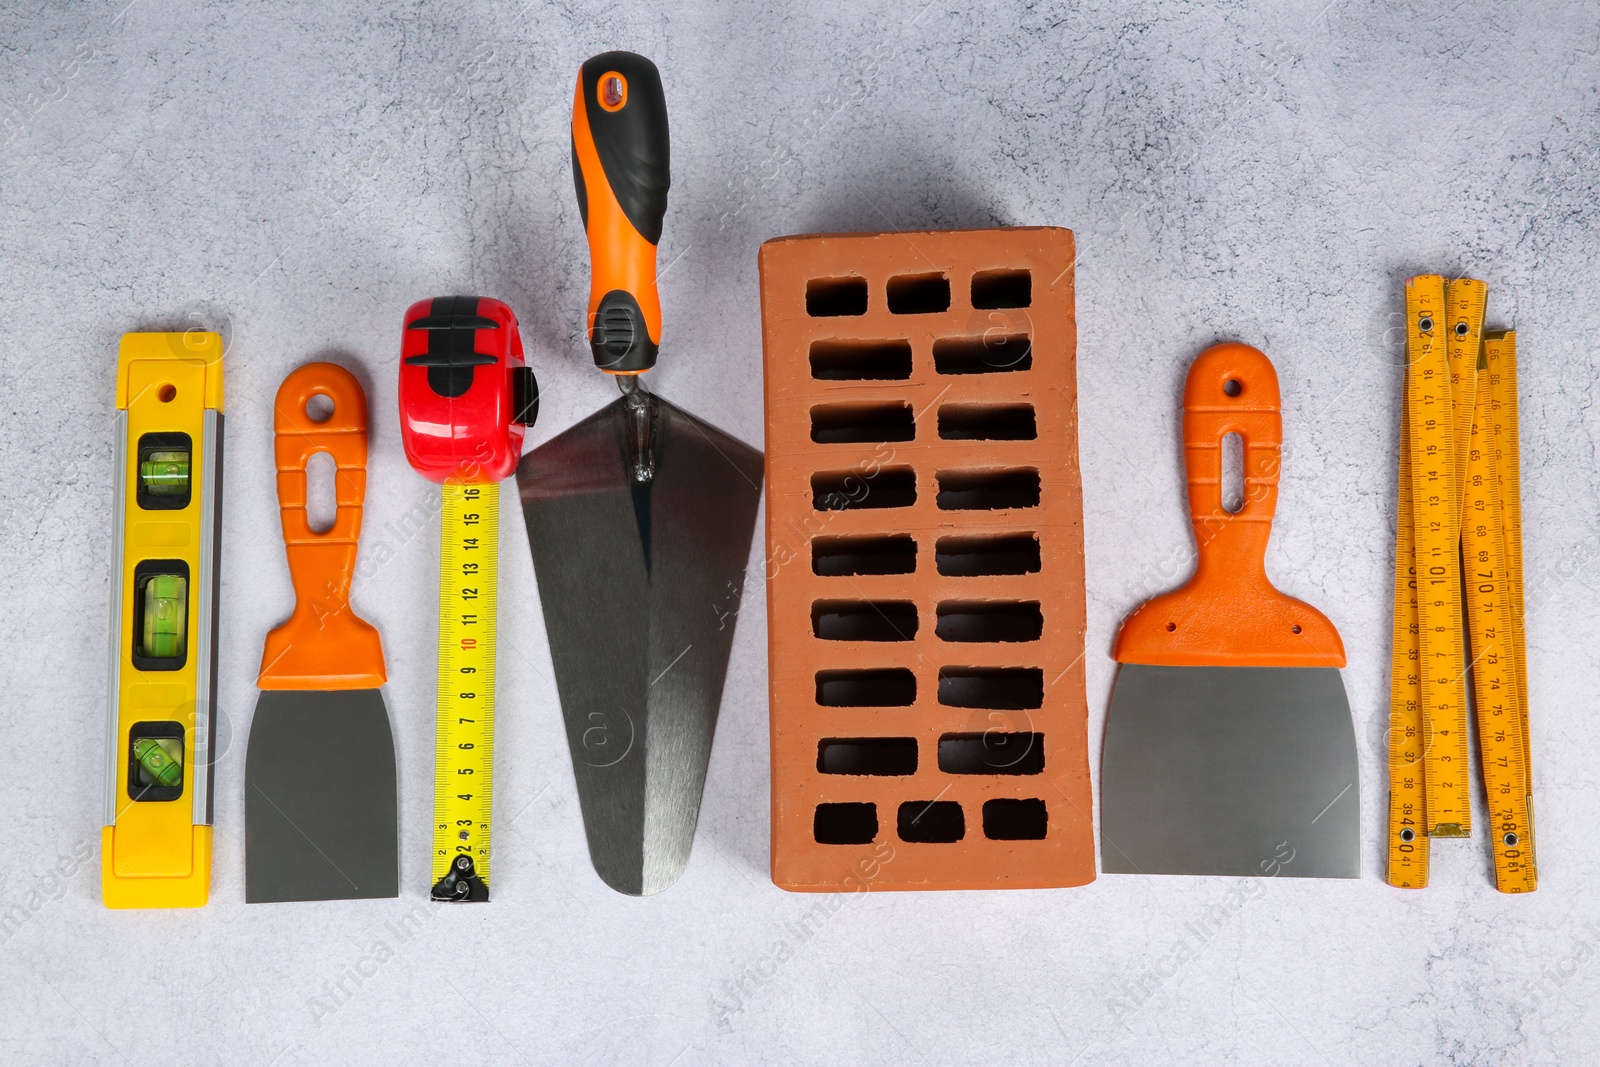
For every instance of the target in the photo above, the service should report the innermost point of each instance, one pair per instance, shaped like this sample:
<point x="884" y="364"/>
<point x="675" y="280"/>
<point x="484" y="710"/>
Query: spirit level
<point x="156" y="842"/>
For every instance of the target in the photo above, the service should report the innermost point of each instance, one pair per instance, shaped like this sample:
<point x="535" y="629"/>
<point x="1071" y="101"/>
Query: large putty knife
<point x="1229" y="747"/>
<point x="321" y="815"/>
<point x="639" y="517"/>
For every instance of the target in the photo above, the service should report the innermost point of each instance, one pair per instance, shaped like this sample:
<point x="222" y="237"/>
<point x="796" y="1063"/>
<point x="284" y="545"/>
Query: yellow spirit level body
<point x="167" y="517"/>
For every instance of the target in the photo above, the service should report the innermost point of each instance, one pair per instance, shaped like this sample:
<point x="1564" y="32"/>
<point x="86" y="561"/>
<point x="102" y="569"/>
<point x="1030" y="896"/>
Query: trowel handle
<point x="620" y="168"/>
<point x="324" y="644"/>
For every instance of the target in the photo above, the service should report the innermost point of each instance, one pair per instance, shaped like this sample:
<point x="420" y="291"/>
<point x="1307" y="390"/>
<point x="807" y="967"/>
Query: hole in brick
<point x="862" y="423"/>
<point x="988" y="422"/>
<point x="989" y="620"/>
<point x="883" y="756"/>
<point x="860" y="360"/>
<point x="988" y="490"/>
<point x="880" y="687"/>
<point x="987" y="354"/>
<point x="1002" y="289"/>
<point x="845" y="824"/>
<point x="864" y="620"/>
<point x="936" y="822"/>
<point x="992" y="688"/>
<point x="991" y="752"/>
<point x="894" y="487"/>
<point x="831" y="297"/>
<point x="1015" y="820"/>
<point x="977" y="557"/>
<point x="919" y="294"/>
<point x="864" y="555"/>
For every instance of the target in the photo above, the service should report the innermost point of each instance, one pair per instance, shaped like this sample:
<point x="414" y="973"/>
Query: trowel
<point x="1229" y="745"/>
<point x="640" y="518"/>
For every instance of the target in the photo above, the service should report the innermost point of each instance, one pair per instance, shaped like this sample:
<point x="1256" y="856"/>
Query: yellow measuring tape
<point x="1458" y="535"/>
<point x="464" y="762"/>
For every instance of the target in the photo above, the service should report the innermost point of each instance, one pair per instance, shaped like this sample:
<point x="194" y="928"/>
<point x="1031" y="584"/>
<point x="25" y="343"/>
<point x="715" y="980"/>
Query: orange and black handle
<point x="1229" y="613"/>
<point x="324" y="644"/>
<point x="620" y="166"/>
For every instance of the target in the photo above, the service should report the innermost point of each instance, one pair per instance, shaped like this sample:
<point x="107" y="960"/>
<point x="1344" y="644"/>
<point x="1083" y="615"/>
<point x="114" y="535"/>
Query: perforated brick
<point x="925" y="562"/>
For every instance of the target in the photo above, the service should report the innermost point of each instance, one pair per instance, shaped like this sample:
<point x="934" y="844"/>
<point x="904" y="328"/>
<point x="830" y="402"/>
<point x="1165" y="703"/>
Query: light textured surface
<point x="295" y="176"/>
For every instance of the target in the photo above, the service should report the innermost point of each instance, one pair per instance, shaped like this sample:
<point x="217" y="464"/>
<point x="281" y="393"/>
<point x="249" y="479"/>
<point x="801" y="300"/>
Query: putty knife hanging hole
<point x="1232" y="387"/>
<point x="1232" y="473"/>
<point x="322" y="501"/>
<point x="319" y="408"/>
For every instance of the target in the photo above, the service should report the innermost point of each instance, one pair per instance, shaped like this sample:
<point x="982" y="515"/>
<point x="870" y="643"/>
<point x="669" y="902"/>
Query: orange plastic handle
<point x="1229" y="613"/>
<point x="324" y="644"/>
<point x="620" y="164"/>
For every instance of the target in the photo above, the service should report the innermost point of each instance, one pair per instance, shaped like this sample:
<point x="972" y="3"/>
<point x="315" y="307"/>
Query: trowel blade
<point x="640" y="586"/>
<point x="1248" y="771"/>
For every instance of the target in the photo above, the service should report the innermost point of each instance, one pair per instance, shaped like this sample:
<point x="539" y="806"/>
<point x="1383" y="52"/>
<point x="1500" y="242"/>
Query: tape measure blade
<point x="1407" y="840"/>
<point x="1436" y="503"/>
<point x="464" y="756"/>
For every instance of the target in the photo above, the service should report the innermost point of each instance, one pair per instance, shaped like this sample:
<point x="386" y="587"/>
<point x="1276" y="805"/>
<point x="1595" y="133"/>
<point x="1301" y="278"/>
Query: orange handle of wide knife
<point x="324" y="644"/>
<point x="620" y="165"/>
<point x="1229" y="613"/>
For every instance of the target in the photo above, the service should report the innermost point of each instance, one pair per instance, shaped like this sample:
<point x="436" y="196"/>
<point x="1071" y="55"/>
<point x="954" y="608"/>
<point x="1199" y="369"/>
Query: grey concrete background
<point x="295" y="174"/>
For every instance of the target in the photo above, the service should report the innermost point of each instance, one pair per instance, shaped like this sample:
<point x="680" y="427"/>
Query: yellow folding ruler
<point x="1458" y="589"/>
